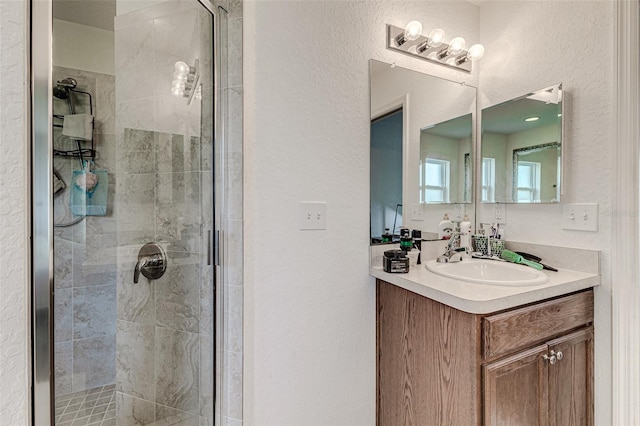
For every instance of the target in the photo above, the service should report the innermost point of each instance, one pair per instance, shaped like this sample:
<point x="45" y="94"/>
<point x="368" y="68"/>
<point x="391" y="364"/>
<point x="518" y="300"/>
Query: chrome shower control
<point x="152" y="262"/>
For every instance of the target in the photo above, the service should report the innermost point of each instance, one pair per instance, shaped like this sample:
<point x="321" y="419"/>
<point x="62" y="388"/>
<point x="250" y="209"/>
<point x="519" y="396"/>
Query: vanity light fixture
<point x="185" y="80"/>
<point x="410" y="41"/>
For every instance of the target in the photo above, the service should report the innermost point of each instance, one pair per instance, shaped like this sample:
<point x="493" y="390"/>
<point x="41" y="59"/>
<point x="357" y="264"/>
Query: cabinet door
<point x="571" y="380"/>
<point x="515" y="389"/>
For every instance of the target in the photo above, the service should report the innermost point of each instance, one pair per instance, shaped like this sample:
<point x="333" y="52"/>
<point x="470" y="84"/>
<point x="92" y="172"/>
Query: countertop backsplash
<point x="560" y="257"/>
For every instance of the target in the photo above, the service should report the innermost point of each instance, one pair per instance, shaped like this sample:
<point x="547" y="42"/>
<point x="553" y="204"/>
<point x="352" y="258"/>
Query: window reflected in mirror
<point x="445" y="162"/>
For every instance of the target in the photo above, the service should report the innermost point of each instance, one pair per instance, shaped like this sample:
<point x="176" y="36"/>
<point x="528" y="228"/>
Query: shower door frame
<point x="40" y="65"/>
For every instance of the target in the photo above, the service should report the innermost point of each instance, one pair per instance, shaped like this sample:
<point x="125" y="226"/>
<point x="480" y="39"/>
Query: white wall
<point x="14" y="207"/>
<point x="531" y="45"/>
<point x="309" y="300"/>
<point x="83" y="48"/>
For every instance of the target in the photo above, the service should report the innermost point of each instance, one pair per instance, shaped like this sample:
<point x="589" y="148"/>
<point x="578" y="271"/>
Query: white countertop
<point x="483" y="298"/>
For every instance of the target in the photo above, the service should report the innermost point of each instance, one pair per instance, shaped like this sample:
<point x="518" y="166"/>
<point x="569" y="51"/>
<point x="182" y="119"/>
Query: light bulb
<point x="436" y="37"/>
<point x="179" y="76"/>
<point x="177" y="84"/>
<point x="475" y="52"/>
<point x="177" y="91"/>
<point x="456" y="46"/>
<point x="413" y="30"/>
<point x="182" y="67"/>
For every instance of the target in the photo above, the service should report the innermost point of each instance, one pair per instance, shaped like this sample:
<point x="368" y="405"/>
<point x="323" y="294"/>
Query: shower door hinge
<point x="216" y="248"/>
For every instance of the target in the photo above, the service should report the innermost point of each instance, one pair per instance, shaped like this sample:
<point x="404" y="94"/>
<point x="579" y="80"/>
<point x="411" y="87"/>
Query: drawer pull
<point x="559" y="355"/>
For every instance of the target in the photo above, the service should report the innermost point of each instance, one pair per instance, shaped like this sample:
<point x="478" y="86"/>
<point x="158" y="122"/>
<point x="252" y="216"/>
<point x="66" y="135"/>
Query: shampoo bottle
<point x="445" y="228"/>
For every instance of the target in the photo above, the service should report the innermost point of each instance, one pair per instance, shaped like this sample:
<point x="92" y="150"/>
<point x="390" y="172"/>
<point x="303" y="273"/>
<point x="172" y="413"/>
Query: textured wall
<point x="14" y="172"/>
<point x="309" y="300"/>
<point x="531" y="45"/>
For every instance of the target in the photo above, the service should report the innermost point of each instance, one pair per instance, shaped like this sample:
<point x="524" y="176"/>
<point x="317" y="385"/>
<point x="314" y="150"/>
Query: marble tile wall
<point x="85" y="256"/>
<point x="164" y="372"/>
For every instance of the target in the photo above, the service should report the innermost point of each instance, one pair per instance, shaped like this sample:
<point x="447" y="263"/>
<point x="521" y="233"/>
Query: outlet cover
<point x="417" y="212"/>
<point x="313" y="215"/>
<point x="500" y="213"/>
<point x="580" y="217"/>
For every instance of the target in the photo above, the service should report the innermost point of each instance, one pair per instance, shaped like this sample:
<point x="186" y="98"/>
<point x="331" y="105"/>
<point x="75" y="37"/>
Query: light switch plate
<point x="580" y="217"/>
<point x="417" y="212"/>
<point x="313" y="215"/>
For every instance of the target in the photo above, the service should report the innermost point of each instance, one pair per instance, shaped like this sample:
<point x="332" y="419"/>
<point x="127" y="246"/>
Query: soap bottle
<point x="406" y="242"/>
<point x="445" y="228"/>
<point x="386" y="237"/>
<point x="465" y="231"/>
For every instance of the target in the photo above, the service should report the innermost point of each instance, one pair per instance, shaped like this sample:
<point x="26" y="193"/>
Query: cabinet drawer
<point x="520" y="328"/>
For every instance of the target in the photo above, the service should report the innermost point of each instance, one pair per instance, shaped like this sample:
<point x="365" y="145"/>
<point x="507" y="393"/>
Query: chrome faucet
<point x="454" y="252"/>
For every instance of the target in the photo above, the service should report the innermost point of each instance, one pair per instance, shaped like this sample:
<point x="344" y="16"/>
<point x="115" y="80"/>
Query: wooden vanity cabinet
<point x="441" y="366"/>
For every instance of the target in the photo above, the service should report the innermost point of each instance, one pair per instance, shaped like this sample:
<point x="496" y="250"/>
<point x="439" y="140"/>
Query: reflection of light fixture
<point x="534" y="118"/>
<point x="559" y="114"/>
<point x="432" y="48"/>
<point x="185" y="80"/>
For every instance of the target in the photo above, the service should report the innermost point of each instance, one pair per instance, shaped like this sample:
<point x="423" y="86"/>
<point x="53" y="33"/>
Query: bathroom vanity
<point x="456" y="353"/>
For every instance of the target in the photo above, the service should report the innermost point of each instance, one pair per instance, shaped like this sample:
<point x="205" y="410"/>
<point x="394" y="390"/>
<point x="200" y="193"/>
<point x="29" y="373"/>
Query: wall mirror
<point x="521" y="149"/>
<point x="422" y="149"/>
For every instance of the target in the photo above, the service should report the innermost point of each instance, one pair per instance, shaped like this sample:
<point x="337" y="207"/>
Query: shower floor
<point x="94" y="407"/>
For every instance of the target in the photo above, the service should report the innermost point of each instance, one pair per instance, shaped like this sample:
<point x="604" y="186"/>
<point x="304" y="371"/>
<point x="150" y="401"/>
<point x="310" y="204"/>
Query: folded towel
<point x="78" y="126"/>
<point x="58" y="184"/>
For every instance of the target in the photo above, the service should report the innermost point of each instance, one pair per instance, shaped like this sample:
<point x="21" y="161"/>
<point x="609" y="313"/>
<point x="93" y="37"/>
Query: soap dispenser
<point x="445" y="228"/>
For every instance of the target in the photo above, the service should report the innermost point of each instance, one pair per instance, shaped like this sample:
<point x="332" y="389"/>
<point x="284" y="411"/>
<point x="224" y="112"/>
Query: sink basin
<point x="488" y="272"/>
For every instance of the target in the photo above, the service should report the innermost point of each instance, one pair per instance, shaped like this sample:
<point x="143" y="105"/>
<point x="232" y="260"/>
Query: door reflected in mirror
<point x="521" y="149"/>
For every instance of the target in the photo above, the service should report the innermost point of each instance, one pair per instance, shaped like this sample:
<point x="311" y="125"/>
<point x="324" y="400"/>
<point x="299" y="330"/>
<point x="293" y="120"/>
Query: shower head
<point x="61" y="91"/>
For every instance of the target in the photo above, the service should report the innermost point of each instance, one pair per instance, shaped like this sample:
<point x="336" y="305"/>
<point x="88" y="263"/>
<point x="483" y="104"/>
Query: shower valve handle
<point x="152" y="262"/>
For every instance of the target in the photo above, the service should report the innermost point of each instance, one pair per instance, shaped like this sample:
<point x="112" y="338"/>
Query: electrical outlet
<point x="458" y="212"/>
<point x="580" y="217"/>
<point x="499" y="213"/>
<point x="417" y="212"/>
<point x="313" y="215"/>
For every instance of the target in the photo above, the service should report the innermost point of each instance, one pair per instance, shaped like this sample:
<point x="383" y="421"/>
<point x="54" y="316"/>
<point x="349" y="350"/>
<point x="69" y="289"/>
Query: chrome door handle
<point x="152" y="262"/>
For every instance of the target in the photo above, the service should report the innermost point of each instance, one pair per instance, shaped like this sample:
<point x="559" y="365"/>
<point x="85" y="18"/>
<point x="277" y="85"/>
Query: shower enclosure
<point x="129" y="206"/>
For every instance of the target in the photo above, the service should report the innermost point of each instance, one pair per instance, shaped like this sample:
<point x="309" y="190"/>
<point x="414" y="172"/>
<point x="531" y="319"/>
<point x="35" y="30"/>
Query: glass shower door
<point x="133" y="116"/>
